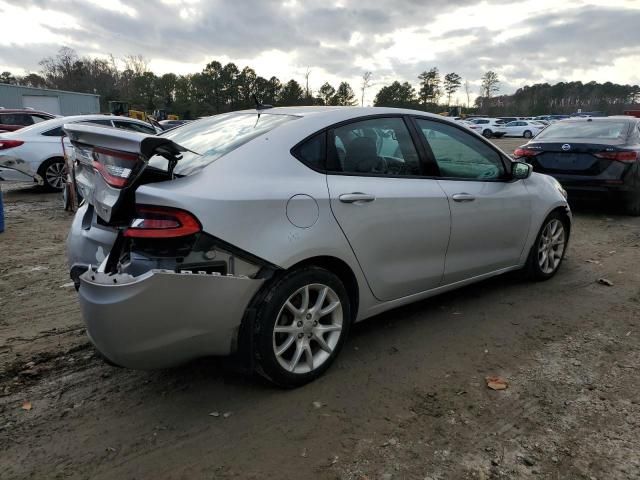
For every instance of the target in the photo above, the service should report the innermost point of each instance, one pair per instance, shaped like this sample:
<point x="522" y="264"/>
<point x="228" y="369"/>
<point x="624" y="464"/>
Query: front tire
<point x="527" y="134"/>
<point x="301" y="326"/>
<point x="549" y="248"/>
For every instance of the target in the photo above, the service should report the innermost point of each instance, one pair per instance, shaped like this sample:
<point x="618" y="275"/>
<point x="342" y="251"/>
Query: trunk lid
<point x="571" y="158"/>
<point x="109" y="164"/>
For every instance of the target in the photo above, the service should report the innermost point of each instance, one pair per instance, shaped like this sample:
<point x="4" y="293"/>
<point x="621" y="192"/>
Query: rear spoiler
<point x="123" y="140"/>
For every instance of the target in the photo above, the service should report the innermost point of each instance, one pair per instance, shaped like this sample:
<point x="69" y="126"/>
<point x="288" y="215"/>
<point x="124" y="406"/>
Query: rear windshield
<point x="212" y="137"/>
<point x="587" y="130"/>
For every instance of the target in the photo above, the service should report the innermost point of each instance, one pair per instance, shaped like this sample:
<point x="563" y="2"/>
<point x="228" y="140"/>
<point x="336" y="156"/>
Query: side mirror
<point x="520" y="170"/>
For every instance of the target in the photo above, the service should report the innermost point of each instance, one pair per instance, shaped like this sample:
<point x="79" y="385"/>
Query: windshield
<point x="591" y="130"/>
<point x="212" y="137"/>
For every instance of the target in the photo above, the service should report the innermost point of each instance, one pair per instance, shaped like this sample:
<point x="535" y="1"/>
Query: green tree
<point x="292" y="94"/>
<point x="429" y="86"/>
<point x="490" y="84"/>
<point x="344" y="95"/>
<point x="326" y="94"/>
<point x="400" y="95"/>
<point x="7" y="77"/>
<point x="452" y="82"/>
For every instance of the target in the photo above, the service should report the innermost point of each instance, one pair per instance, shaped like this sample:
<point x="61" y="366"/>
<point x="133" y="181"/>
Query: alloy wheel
<point x="551" y="246"/>
<point x="308" y="328"/>
<point x="55" y="175"/>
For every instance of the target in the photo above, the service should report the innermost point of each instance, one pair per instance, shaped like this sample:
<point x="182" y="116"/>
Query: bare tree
<point x="467" y="91"/>
<point x="137" y="64"/>
<point x="306" y="79"/>
<point x="366" y="83"/>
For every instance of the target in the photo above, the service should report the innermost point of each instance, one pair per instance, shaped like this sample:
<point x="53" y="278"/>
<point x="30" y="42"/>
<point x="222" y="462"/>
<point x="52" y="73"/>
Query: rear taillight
<point x="618" y="156"/>
<point x="115" y="167"/>
<point x="4" y="144"/>
<point x="525" y="152"/>
<point x="162" y="222"/>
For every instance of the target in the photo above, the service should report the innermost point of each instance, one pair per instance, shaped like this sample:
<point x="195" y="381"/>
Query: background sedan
<point x="591" y="156"/>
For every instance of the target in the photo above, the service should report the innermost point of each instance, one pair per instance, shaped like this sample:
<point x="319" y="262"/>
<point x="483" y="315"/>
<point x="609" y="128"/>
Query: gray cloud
<point x="319" y="35"/>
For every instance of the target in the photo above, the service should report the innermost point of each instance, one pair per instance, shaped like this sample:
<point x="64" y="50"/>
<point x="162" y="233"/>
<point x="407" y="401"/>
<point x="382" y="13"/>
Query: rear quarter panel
<point x="242" y="199"/>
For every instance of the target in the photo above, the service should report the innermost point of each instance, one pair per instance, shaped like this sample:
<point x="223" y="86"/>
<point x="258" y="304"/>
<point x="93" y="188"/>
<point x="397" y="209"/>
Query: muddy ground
<point x="407" y="398"/>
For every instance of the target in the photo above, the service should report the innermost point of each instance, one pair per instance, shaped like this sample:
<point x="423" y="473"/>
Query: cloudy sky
<point x="525" y="41"/>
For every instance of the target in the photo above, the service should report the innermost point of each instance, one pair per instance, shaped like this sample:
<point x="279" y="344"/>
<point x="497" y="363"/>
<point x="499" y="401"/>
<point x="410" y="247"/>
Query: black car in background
<point x="590" y="156"/>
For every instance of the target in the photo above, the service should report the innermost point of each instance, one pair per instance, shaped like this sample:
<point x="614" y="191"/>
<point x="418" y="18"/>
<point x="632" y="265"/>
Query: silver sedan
<point x="269" y="232"/>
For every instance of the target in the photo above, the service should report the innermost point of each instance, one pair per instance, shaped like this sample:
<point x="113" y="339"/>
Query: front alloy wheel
<point x="551" y="246"/>
<point x="548" y="251"/>
<point x="300" y="326"/>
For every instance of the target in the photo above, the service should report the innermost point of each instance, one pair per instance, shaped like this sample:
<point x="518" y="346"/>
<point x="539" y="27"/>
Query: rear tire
<point x="527" y="134"/>
<point x="486" y="133"/>
<point x="301" y="326"/>
<point x="632" y="204"/>
<point x="547" y="252"/>
<point x="53" y="173"/>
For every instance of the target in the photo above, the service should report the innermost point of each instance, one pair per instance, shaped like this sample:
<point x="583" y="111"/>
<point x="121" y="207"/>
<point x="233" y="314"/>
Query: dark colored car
<point x="15" y="119"/>
<point x="590" y="156"/>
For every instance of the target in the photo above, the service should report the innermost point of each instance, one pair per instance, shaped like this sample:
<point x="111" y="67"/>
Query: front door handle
<point x="356" y="197"/>
<point x="463" y="197"/>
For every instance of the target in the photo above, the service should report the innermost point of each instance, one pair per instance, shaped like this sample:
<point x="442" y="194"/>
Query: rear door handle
<point x="356" y="197"/>
<point x="463" y="197"/>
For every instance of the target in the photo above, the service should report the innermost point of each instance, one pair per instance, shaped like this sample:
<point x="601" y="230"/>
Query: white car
<point x="521" y="128"/>
<point x="489" y="126"/>
<point x="471" y="126"/>
<point x="37" y="149"/>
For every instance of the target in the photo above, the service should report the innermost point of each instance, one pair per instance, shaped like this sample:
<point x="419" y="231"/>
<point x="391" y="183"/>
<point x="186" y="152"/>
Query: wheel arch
<point x="342" y="270"/>
<point x="43" y="163"/>
<point x="243" y="343"/>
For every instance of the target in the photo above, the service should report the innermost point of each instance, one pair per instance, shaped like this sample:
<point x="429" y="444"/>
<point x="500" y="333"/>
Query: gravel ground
<point x="407" y="399"/>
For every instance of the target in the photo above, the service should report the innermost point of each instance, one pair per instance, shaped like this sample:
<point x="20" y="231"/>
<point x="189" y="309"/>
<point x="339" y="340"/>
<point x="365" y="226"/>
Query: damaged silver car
<point x="269" y="232"/>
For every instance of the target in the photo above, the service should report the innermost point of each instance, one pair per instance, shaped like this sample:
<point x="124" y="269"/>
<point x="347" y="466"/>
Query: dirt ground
<point x="407" y="398"/>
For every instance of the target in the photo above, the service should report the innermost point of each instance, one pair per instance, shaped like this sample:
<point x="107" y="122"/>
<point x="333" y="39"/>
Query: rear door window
<point x="379" y="146"/>
<point x="16" y="119"/>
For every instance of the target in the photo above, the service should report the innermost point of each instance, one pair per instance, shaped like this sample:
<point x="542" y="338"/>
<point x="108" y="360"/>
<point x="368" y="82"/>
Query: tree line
<point x="222" y="88"/>
<point x="218" y="88"/>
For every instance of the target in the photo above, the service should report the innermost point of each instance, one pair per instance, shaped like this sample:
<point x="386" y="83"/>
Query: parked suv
<point x="12" y="120"/>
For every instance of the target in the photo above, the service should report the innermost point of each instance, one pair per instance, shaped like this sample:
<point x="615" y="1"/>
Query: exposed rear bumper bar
<point x="162" y="318"/>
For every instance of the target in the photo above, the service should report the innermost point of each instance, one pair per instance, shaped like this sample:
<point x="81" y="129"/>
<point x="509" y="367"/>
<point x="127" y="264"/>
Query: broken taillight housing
<point x="162" y="222"/>
<point x="116" y="167"/>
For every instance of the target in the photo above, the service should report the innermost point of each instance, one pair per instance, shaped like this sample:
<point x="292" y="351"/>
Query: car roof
<point x="614" y="118"/>
<point x="342" y="112"/>
<point x="41" y="127"/>
<point x="24" y="110"/>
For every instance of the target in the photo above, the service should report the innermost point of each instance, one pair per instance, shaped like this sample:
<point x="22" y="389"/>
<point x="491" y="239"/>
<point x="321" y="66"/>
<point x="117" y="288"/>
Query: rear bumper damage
<point x="162" y="318"/>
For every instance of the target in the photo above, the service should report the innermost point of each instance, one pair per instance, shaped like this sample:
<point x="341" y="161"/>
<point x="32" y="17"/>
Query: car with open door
<point x="267" y="233"/>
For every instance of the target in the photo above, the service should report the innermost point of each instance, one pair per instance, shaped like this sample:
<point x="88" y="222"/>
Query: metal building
<point x="57" y="102"/>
